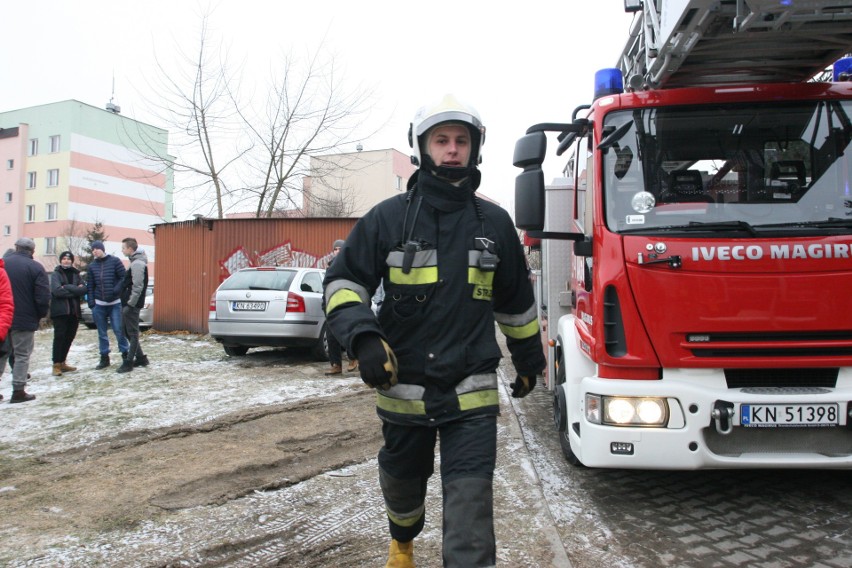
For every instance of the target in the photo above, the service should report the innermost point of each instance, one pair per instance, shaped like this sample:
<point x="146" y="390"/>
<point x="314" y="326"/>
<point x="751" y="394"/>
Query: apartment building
<point x="349" y="184"/>
<point x="67" y="165"/>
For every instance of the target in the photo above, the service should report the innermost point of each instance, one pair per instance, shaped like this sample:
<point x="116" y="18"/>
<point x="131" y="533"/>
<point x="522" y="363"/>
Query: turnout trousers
<point x="468" y="449"/>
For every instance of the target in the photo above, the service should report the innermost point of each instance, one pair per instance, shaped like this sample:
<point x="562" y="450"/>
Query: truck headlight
<point x="627" y="411"/>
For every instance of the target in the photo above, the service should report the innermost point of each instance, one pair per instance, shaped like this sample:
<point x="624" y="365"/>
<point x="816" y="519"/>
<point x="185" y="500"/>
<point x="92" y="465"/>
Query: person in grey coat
<point x="133" y="288"/>
<point x="32" y="300"/>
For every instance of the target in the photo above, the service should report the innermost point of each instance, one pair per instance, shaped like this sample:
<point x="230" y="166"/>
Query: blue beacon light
<point x="608" y="82"/>
<point x="842" y="69"/>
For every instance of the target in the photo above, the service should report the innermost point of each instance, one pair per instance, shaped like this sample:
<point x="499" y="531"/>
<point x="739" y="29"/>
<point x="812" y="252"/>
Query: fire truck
<point x="696" y="257"/>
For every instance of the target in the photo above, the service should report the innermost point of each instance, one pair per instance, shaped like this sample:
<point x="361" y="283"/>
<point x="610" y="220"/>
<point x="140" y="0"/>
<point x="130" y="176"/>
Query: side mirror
<point x="529" y="154"/>
<point x="530" y="150"/>
<point x="583" y="248"/>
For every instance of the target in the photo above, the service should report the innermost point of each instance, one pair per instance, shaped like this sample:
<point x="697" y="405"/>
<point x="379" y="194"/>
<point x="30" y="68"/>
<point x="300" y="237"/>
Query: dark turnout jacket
<point x="441" y="302"/>
<point x="30" y="290"/>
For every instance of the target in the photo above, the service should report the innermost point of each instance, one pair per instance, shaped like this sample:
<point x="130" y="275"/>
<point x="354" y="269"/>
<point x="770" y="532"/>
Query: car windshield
<point x="259" y="280"/>
<point x="730" y="167"/>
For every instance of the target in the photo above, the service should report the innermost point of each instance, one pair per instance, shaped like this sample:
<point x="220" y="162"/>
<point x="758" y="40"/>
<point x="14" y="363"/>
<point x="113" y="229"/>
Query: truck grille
<point x="830" y="442"/>
<point x="774" y="345"/>
<point x="744" y="378"/>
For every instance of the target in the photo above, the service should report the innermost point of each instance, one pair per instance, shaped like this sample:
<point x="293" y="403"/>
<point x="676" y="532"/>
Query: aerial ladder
<point x="692" y="43"/>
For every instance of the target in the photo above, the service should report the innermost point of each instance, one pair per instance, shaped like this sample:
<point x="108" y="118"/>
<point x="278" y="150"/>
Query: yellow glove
<point x="376" y="361"/>
<point x="522" y="386"/>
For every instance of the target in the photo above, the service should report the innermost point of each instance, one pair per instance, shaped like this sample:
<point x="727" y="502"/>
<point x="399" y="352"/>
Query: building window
<point x="31" y="180"/>
<point x="398" y="183"/>
<point x="54" y="144"/>
<point x="50" y="245"/>
<point x="8" y="197"/>
<point x="7" y="230"/>
<point x="33" y="150"/>
<point x="52" y="178"/>
<point x="30" y="215"/>
<point x="10" y="164"/>
<point x="51" y="211"/>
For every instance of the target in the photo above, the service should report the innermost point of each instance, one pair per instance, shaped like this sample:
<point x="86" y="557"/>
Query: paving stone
<point x="788" y="543"/>
<point x="740" y="559"/>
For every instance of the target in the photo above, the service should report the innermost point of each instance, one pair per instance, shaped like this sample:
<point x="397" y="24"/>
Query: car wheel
<point x="320" y="349"/>
<point x="235" y="350"/>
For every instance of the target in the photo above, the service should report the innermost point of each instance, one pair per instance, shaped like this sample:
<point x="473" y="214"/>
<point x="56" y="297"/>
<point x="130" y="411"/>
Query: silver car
<point x="146" y="314"/>
<point x="270" y="307"/>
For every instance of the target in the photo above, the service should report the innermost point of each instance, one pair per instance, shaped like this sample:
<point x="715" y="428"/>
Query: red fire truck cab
<point x="697" y="271"/>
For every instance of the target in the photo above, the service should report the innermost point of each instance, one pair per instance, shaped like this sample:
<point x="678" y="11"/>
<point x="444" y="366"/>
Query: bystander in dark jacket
<point x="32" y="299"/>
<point x="66" y="290"/>
<point x="7" y="311"/>
<point x="104" y="277"/>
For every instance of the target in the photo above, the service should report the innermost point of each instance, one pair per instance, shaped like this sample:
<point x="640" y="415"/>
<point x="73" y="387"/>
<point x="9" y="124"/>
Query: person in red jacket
<point x="7" y="310"/>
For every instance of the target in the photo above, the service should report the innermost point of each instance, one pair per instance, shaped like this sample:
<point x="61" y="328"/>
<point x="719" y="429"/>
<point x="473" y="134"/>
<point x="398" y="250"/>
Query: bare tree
<point x="198" y="106"/>
<point x="241" y="156"/>
<point x="309" y="112"/>
<point x="74" y="239"/>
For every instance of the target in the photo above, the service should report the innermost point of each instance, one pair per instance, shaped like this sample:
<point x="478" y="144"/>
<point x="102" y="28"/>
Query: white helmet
<point x="448" y="109"/>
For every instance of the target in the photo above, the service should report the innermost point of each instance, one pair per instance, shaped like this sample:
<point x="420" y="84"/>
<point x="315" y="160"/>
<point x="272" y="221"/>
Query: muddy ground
<point x="205" y="460"/>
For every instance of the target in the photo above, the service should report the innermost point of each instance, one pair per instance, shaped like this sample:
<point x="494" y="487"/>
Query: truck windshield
<point x="735" y="167"/>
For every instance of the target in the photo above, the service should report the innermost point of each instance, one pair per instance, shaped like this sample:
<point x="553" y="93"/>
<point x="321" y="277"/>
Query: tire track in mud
<point x="144" y="475"/>
<point x="308" y="536"/>
<point x="102" y="505"/>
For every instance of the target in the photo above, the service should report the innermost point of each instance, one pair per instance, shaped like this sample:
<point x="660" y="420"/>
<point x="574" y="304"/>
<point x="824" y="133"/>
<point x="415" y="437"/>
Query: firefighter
<point x="451" y="264"/>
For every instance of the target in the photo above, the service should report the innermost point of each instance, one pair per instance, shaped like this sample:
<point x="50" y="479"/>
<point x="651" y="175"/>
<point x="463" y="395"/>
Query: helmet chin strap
<point x="449" y="173"/>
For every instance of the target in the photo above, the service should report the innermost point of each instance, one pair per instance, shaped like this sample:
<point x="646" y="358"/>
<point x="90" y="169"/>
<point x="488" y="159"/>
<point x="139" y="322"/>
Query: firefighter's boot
<point x="401" y="554"/>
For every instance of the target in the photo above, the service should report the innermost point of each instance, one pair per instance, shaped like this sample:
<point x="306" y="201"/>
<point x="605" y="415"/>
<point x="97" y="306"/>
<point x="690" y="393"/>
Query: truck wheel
<point x="565" y="443"/>
<point x="564" y="440"/>
<point x="235" y="350"/>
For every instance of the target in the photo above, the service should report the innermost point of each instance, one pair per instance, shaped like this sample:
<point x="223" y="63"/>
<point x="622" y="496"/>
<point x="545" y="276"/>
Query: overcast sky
<point x="518" y="63"/>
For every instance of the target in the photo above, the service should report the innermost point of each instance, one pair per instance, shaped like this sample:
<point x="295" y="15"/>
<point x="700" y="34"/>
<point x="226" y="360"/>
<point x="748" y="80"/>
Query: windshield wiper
<point x="829" y="223"/>
<point x="701" y="226"/>
<point x="614" y="136"/>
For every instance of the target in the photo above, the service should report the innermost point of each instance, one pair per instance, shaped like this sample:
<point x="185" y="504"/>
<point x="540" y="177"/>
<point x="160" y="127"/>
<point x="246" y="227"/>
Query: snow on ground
<point x="190" y="380"/>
